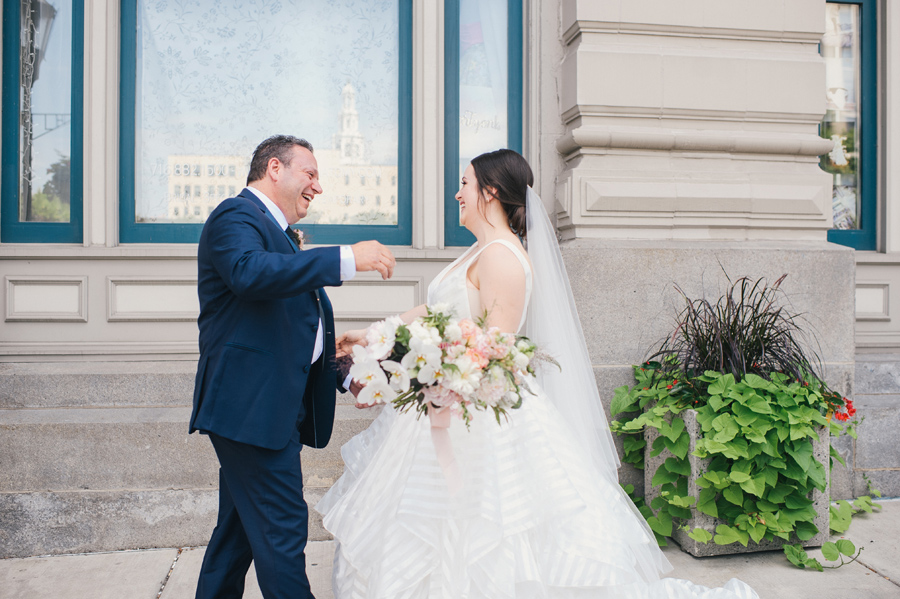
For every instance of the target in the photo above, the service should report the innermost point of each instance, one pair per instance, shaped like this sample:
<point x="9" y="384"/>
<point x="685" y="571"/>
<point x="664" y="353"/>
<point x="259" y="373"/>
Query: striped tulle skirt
<point x="529" y="517"/>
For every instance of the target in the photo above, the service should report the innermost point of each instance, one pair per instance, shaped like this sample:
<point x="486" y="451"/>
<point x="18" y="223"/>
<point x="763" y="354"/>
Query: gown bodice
<point x="451" y="287"/>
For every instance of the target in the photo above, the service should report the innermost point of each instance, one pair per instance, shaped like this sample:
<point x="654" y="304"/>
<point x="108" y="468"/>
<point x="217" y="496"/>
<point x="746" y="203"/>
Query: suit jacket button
<point x="306" y="369"/>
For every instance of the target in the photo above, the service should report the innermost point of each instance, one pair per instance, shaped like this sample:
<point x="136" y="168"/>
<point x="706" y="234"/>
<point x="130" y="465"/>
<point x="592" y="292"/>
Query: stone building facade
<point x="674" y="142"/>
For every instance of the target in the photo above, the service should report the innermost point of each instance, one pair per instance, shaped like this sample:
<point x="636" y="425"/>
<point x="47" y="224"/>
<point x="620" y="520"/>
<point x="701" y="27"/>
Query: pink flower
<point x="439" y="396"/>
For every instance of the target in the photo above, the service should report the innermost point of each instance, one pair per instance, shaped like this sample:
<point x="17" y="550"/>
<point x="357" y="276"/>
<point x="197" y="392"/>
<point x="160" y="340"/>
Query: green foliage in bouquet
<point x="741" y="366"/>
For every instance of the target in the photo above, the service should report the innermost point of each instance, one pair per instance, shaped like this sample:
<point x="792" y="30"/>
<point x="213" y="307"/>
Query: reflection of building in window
<point x="349" y="179"/>
<point x="346" y="176"/>
<point x="198" y="183"/>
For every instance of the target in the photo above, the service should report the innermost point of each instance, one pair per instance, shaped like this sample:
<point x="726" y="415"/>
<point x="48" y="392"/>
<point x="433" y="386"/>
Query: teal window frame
<point x="133" y="232"/>
<point x="454" y="235"/>
<point x="866" y="236"/>
<point x="12" y="230"/>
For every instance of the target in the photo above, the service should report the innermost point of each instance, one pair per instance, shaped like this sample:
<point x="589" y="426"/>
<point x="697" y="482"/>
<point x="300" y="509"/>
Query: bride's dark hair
<point x="505" y="175"/>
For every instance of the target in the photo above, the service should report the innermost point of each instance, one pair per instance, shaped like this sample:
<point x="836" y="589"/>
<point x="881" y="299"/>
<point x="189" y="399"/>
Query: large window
<point x="42" y="116"/>
<point x="483" y="91"/>
<point x="203" y="82"/>
<point x="849" y="50"/>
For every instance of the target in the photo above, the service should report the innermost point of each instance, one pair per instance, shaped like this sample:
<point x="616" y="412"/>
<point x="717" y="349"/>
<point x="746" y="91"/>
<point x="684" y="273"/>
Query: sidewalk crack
<point x="169" y="573"/>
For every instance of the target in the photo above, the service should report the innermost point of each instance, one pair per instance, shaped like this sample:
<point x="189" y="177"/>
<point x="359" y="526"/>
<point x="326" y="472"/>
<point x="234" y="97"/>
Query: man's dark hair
<point x="277" y="146"/>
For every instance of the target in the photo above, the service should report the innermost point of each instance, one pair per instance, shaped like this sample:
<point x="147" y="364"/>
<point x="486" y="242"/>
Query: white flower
<point x="376" y="393"/>
<point x="464" y="378"/>
<point x="425" y="333"/>
<point x="421" y="354"/>
<point x="452" y="332"/>
<point x="365" y="369"/>
<point x="399" y="377"/>
<point x="381" y="337"/>
<point x="440" y="307"/>
<point x="521" y="361"/>
<point x="429" y="375"/>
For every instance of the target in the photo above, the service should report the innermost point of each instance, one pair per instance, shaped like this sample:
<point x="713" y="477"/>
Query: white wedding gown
<point x="531" y="519"/>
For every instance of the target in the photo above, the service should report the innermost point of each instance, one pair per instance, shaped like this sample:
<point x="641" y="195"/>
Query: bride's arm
<point x="501" y="283"/>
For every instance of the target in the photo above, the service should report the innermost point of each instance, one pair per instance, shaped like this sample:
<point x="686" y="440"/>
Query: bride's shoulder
<point x="504" y="256"/>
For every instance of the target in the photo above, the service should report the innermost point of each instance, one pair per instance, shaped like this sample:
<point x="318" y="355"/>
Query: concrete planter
<point x="700" y="520"/>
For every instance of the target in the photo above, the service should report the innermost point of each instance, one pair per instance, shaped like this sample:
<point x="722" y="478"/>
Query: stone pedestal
<point x="708" y="523"/>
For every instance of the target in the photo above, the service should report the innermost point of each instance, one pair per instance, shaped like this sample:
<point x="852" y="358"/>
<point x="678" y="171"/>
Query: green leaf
<point x="623" y="401"/>
<point x="680" y="447"/>
<point x="683" y="502"/>
<point x="672" y="431"/>
<point x="631" y="444"/>
<point x="717" y="402"/>
<point x="863" y="504"/>
<point x="661" y="524"/>
<point x="795" y="501"/>
<point x="739" y="477"/>
<point x="806" y="530"/>
<point x="663" y="476"/>
<point x="755" y="486"/>
<point x="676" y="466"/>
<point x="846" y="547"/>
<point x="757" y="532"/>
<point x="734" y="494"/>
<point x="726" y="535"/>
<point x="700" y="535"/>
<point x="795" y="554"/>
<point x="659" y="445"/>
<point x="840" y="515"/>
<point x="756" y="381"/>
<point x="759" y="405"/>
<point x="830" y="551"/>
<point x="721" y="385"/>
<point x="818" y="475"/>
<point x="802" y="454"/>
<point x="707" y="502"/>
<point x="777" y="494"/>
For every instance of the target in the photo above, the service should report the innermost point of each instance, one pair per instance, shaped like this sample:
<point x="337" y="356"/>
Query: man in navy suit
<point x="266" y="379"/>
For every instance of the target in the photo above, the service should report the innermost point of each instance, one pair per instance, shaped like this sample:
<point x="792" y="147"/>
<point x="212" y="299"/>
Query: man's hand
<point x="344" y="344"/>
<point x="355" y="388"/>
<point x="371" y="255"/>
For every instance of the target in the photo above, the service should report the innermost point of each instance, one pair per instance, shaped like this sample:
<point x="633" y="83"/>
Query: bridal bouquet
<point x="439" y="362"/>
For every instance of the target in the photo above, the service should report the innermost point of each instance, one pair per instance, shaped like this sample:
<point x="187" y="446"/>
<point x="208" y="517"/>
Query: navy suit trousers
<point x="262" y="518"/>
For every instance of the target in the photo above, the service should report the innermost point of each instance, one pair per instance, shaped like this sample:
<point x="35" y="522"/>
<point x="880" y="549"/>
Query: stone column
<point x="691" y="155"/>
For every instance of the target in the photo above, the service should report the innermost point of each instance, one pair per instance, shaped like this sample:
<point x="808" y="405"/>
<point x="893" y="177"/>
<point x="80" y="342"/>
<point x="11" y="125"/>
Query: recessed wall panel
<point x="46" y="299"/>
<point x="153" y="299"/>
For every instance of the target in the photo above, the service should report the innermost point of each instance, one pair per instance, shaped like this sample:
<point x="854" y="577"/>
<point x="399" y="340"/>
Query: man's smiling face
<point x="297" y="184"/>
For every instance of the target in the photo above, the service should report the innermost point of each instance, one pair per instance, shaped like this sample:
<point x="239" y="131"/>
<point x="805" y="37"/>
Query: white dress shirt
<point x="348" y="268"/>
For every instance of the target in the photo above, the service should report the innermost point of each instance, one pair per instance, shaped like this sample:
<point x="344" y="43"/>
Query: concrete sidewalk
<point x="172" y="573"/>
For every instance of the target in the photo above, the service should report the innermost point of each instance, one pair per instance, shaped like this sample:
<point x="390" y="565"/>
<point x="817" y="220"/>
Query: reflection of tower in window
<point x="349" y="141"/>
<point x="377" y="179"/>
<point x="393" y="180"/>
<point x="838" y="155"/>
<point x="196" y="191"/>
<point x="362" y="200"/>
<point x="378" y="200"/>
<point x="393" y="200"/>
<point x="346" y="179"/>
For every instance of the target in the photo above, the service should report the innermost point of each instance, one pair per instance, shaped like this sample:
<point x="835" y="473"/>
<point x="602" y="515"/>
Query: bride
<point x="538" y="511"/>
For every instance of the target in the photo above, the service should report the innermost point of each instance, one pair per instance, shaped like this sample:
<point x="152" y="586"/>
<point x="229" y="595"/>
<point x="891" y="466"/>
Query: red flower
<point x="842" y="416"/>
<point x="668" y="386"/>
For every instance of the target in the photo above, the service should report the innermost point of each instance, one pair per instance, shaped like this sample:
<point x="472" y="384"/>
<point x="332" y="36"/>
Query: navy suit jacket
<point x="260" y="304"/>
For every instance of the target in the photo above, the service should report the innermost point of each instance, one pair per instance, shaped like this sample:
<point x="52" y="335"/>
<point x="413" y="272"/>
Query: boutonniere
<point x="297" y="236"/>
